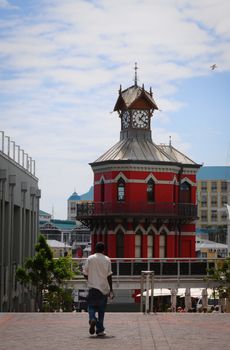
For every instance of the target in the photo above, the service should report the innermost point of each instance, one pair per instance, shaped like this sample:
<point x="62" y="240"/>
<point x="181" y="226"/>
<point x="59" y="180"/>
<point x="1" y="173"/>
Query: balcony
<point x="124" y="209"/>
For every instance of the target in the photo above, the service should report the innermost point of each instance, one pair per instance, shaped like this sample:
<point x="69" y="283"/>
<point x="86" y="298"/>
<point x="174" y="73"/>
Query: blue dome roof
<point x="74" y="197"/>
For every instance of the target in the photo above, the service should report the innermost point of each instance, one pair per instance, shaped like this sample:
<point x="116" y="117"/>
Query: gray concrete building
<point x="19" y="213"/>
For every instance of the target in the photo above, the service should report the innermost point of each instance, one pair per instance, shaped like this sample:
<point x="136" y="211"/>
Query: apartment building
<point x="213" y="193"/>
<point x="19" y="207"/>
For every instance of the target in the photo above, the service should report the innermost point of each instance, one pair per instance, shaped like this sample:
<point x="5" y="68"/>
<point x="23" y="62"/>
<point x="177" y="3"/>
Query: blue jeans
<point x="100" y="310"/>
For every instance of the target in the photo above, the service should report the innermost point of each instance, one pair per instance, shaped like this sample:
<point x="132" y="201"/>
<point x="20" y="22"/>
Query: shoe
<point x="101" y="334"/>
<point x="92" y="326"/>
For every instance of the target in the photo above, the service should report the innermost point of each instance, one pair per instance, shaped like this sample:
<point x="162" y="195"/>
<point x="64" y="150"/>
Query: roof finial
<point x="170" y="141"/>
<point x="135" y="68"/>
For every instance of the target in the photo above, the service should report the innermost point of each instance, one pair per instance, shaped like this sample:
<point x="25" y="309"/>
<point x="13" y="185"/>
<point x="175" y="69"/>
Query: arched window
<point x="185" y="192"/>
<point x="120" y="244"/>
<point x="162" y="247"/>
<point x="151" y="191"/>
<point x="121" y="190"/>
<point x="102" y="191"/>
<point x="150" y="244"/>
<point x="138" y="244"/>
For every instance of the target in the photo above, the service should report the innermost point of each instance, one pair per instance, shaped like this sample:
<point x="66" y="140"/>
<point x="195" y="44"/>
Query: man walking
<point x="97" y="271"/>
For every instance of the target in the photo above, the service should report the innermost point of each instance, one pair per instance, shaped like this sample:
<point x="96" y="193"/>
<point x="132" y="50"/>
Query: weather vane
<point x="135" y="68"/>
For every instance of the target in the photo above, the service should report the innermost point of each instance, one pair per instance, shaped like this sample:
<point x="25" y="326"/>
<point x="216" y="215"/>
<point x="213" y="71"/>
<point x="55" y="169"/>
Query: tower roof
<point x="128" y="97"/>
<point x="74" y="197"/>
<point x="135" y="149"/>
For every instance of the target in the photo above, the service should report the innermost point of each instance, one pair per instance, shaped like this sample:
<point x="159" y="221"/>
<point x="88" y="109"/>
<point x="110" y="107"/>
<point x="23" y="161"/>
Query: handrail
<point x="158" y="209"/>
<point x="161" y="266"/>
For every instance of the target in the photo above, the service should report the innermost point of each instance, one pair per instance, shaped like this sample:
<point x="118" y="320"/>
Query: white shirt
<point x="98" y="268"/>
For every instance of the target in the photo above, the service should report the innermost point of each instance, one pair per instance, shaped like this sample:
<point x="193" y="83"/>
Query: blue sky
<point x="61" y="65"/>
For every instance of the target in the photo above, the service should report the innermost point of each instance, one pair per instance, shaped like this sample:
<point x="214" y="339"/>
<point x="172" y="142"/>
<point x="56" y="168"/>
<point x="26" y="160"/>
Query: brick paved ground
<point x="134" y="331"/>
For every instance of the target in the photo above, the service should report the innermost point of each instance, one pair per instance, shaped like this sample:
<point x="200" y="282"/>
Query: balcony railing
<point x="161" y="266"/>
<point x="136" y="208"/>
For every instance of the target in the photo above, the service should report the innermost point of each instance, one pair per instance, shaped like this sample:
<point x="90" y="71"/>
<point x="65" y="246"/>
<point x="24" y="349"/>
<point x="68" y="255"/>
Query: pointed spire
<point x="170" y="142"/>
<point x="120" y="90"/>
<point x="135" y="78"/>
<point x="150" y="91"/>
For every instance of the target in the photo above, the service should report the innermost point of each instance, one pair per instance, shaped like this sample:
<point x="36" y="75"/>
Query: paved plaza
<point x="134" y="331"/>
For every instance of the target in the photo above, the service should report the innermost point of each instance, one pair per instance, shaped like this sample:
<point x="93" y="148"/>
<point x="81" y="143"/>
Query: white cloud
<point x="61" y="64"/>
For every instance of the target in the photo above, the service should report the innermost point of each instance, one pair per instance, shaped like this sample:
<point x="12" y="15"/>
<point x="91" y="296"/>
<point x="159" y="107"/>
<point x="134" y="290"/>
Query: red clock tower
<point x="144" y="194"/>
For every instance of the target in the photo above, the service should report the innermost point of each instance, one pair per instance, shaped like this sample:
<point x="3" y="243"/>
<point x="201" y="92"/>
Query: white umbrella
<point x="195" y="292"/>
<point x="157" y="292"/>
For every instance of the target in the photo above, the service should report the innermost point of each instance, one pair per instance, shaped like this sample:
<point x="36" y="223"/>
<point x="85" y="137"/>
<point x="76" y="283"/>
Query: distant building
<point x="19" y="207"/>
<point x="213" y="193"/>
<point x="43" y="216"/>
<point x="59" y="249"/>
<point x="70" y="233"/>
<point x="75" y="199"/>
<point x="209" y="249"/>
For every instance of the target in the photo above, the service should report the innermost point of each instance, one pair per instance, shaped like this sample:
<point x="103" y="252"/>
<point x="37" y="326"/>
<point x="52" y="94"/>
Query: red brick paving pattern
<point x="134" y="331"/>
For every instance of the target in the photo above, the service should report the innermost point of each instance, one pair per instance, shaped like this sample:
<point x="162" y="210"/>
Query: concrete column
<point x="2" y="238"/>
<point x="173" y="299"/>
<point x="12" y="183"/>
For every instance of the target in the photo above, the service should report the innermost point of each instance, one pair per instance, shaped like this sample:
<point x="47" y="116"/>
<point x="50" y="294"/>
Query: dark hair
<point x="100" y="247"/>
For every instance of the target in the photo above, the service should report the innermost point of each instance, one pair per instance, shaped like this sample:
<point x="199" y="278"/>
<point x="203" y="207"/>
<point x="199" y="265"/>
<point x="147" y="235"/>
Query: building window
<point x="150" y="245"/>
<point x="214" y="215"/>
<point x="150" y="191"/>
<point x="224" y="216"/>
<point x="102" y="191"/>
<point x="213" y="201"/>
<point x="213" y="186"/>
<point x="224" y="200"/>
<point x="203" y="186"/>
<point x="162" y="247"/>
<point x="204" y="215"/>
<point x="120" y="244"/>
<point x="185" y="192"/>
<point x="224" y="186"/>
<point x="138" y="245"/>
<point x="204" y="201"/>
<point x="121" y="190"/>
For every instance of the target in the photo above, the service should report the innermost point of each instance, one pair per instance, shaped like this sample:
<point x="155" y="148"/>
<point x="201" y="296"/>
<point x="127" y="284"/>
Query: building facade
<point x="144" y="194"/>
<point x="75" y="199"/>
<point x="68" y="232"/>
<point x="213" y="193"/>
<point x="19" y="207"/>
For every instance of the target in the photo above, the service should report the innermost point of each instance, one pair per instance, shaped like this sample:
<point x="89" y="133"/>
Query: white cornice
<point x="143" y="167"/>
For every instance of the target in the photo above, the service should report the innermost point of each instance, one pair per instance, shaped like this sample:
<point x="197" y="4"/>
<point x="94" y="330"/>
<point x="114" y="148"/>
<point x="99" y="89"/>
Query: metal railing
<point x="169" y="210"/>
<point x="9" y="148"/>
<point x="189" y="267"/>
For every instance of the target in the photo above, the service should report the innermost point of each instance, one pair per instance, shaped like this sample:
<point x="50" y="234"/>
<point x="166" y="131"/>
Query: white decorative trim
<point x="188" y="233"/>
<point x="102" y="178"/>
<point x="139" y="181"/>
<point x="185" y="179"/>
<point x="150" y="177"/>
<point x="119" y="227"/>
<point x="120" y="176"/>
<point x="152" y="228"/>
<point x="136" y="167"/>
<point x="165" y="228"/>
<point x="141" y="228"/>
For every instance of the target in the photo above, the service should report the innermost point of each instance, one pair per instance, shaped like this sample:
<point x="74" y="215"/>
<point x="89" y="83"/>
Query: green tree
<point x="46" y="275"/>
<point x="221" y="274"/>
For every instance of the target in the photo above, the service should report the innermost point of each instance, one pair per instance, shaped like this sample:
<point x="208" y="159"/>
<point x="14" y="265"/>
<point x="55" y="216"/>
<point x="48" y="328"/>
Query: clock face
<point x="140" y="119"/>
<point x="125" y="119"/>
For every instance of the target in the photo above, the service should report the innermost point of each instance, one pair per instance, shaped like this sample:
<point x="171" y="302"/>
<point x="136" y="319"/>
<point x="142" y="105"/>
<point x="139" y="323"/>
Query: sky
<point x="61" y="66"/>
